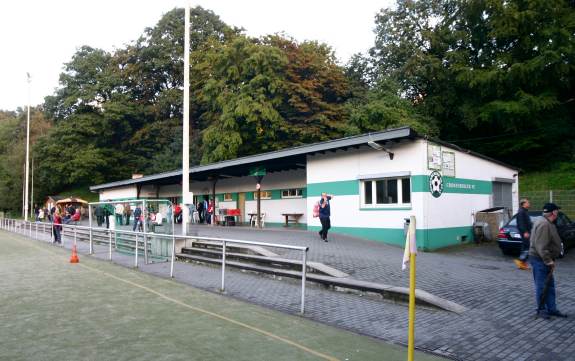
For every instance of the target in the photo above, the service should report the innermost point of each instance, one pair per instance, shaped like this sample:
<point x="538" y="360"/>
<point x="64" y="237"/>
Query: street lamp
<point x="27" y="152"/>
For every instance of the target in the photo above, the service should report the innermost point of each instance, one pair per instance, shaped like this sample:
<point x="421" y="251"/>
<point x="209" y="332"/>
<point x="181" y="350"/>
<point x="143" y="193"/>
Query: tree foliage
<point x="497" y="75"/>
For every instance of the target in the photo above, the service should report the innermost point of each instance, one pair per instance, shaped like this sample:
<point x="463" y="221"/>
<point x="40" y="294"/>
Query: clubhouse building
<point x="377" y="180"/>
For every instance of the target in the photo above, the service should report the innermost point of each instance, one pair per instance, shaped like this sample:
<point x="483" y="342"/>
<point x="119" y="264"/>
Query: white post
<point x="27" y="153"/>
<point x="90" y="224"/>
<point x="303" y="279"/>
<point x="174" y="242"/>
<point x="186" y="123"/>
<point x="32" y="210"/>
<point x="110" y="244"/>
<point x="223" y="288"/>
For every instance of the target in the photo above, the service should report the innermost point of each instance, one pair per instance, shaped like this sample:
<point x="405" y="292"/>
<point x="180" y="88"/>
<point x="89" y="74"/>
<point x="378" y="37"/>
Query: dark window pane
<point x="380" y="191"/>
<point x="367" y="192"/>
<point x="406" y="190"/>
<point x="391" y="191"/>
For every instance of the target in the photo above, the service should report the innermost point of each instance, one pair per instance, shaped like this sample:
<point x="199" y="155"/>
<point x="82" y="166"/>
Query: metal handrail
<point x="11" y="224"/>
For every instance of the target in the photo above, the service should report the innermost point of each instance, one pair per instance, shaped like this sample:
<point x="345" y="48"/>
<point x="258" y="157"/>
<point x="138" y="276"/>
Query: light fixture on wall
<point x="375" y="145"/>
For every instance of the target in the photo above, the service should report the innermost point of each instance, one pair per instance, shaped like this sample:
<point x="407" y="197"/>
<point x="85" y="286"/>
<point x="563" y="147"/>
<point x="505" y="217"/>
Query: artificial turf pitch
<point x="51" y="309"/>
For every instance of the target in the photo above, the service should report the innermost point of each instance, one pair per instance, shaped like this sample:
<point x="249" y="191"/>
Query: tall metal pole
<point x="27" y="153"/>
<point x="186" y="124"/>
<point x="32" y="210"/>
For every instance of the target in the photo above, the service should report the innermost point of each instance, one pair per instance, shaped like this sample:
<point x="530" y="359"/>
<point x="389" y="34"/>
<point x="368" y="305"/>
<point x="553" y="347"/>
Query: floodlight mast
<point x="186" y="125"/>
<point x="27" y="153"/>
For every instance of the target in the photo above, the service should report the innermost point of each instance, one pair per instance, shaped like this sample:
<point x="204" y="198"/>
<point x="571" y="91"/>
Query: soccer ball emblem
<point x="435" y="184"/>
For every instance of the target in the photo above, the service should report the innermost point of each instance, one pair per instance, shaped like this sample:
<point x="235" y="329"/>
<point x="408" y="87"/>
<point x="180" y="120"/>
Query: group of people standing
<point x="205" y="211"/>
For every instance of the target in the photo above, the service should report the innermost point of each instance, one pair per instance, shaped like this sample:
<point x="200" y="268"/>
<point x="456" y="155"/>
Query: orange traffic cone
<point x="74" y="258"/>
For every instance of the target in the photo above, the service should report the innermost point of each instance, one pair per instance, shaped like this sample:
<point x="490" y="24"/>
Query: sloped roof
<point x="284" y="159"/>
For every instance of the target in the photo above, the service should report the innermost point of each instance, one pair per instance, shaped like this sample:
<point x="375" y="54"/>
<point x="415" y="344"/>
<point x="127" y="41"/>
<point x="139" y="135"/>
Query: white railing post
<point x="109" y="244"/>
<point x="223" y="266"/>
<point x="173" y="253"/>
<point x="136" y="253"/>
<point x="303" y="278"/>
<point x="90" y="231"/>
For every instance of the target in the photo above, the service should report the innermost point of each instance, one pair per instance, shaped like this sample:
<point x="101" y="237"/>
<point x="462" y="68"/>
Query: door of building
<point x="242" y="206"/>
<point x="502" y="195"/>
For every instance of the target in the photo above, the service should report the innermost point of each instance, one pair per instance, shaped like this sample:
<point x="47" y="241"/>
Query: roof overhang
<point x="281" y="160"/>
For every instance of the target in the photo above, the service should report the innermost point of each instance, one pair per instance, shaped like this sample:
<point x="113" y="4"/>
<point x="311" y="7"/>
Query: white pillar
<point x="27" y="153"/>
<point x="186" y="120"/>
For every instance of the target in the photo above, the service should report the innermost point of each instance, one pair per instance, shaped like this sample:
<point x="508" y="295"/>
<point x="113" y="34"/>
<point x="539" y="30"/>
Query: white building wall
<point x="458" y="209"/>
<point x="273" y="208"/>
<point x="128" y="192"/>
<point x="352" y="165"/>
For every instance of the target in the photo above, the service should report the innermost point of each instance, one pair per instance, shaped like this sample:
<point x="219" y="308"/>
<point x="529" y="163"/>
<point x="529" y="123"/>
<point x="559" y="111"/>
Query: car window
<point x="513" y="221"/>
<point x="562" y="220"/>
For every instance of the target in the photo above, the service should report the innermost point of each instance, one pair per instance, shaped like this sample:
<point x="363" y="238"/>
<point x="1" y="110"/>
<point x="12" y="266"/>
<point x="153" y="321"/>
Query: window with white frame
<point x="263" y="194"/>
<point x="384" y="192"/>
<point x="292" y="193"/>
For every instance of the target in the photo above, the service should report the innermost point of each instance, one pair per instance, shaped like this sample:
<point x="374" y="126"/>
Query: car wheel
<point x="562" y="250"/>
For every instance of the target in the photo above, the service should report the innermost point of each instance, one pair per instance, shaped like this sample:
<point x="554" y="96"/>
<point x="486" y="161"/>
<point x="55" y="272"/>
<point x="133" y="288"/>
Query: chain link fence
<point x="564" y="198"/>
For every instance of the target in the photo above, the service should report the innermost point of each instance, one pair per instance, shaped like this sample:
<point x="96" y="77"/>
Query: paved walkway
<point x="499" y="323"/>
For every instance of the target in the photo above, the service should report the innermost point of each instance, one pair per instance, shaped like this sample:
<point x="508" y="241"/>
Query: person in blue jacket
<point x="324" y="214"/>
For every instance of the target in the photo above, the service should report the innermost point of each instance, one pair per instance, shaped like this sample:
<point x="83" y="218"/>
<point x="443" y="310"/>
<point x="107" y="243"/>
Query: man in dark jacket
<point x="137" y="218"/>
<point x="324" y="214"/>
<point x="99" y="215"/>
<point x="524" y="226"/>
<point x="545" y="248"/>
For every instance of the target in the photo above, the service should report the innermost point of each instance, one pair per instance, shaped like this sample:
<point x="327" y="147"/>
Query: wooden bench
<point x="292" y="217"/>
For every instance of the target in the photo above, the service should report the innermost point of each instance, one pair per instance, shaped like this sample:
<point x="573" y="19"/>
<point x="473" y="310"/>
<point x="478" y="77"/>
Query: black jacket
<point x="524" y="223"/>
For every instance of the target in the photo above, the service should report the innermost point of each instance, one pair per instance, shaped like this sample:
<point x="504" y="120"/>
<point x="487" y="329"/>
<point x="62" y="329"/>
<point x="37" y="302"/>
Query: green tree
<point x="13" y="153"/>
<point x="497" y="75"/>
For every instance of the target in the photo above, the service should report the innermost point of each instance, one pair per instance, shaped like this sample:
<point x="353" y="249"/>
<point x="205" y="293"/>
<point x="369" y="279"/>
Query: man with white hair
<point x="545" y="248"/>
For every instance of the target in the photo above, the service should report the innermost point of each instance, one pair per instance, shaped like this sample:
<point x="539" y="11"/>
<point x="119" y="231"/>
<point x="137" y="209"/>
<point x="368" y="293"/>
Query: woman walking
<point x="324" y="214"/>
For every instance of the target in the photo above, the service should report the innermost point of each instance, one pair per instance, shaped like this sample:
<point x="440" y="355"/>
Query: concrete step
<point x="386" y="291"/>
<point x="275" y="262"/>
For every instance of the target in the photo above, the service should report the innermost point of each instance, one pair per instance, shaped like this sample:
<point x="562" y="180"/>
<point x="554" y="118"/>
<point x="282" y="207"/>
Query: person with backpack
<point x="324" y="215"/>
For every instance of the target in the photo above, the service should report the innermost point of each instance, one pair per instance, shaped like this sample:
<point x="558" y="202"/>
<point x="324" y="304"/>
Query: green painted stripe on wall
<point x="427" y="239"/>
<point x="276" y="194"/>
<point x="436" y="238"/>
<point x="339" y="188"/>
<point x="420" y="183"/>
<point x="386" y="235"/>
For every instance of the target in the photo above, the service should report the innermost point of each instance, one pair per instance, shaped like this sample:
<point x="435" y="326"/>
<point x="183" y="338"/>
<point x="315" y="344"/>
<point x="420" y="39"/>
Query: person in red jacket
<point x="57" y="227"/>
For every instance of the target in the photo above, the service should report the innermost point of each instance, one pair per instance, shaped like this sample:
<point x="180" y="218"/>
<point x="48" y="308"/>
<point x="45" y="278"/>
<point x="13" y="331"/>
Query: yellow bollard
<point x="411" y="336"/>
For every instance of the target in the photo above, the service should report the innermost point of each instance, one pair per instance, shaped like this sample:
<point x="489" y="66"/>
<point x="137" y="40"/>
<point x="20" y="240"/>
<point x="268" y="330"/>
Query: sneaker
<point x="557" y="313"/>
<point x="522" y="265"/>
<point x="325" y="239"/>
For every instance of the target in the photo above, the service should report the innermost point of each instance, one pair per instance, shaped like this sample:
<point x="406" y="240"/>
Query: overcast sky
<point x="40" y="36"/>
